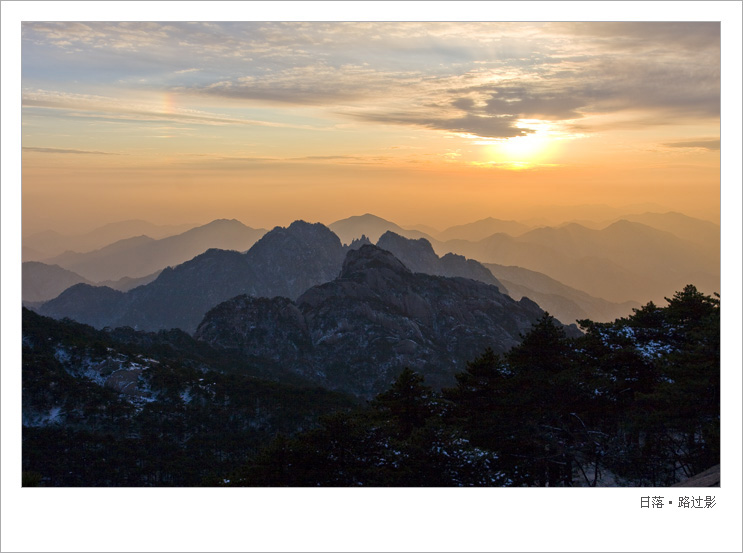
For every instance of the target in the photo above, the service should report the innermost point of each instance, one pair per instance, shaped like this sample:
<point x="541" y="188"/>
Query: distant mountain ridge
<point x="372" y="227"/>
<point x="46" y="244"/>
<point x="624" y="261"/>
<point x="572" y="271"/>
<point x="565" y="303"/>
<point x="141" y="255"/>
<point x="419" y="257"/>
<point x="42" y="282"/>
<point x="482" y="229"/>
<point x="689" y="228"/>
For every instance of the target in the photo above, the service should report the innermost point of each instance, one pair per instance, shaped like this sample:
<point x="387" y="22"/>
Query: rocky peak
<point x="299" y="234"/>
<point x="418" y="254"/>
<point x="358" y="242"/>
<point x="370" y="258"/>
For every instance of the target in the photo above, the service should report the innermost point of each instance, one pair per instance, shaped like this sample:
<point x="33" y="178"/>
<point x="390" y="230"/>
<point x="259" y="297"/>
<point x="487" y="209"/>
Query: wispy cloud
<point x="80" y="105"/>
<point x="703" y="144"/>
<point x="301" y="159"/>
<point x="472" y="78"/>
<point x="65" y="151"/>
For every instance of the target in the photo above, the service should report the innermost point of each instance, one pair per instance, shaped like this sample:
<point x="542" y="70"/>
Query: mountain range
<point x="482" y="229"/>
<point x="49" y="243"/>
<point x="625" y="261"/>
<point x="42" y="282"/>
<point x="284" y="262"/>
<point x="634" y="260"/>
<point x="572" y="271"/>
<point x="565" y="303"/>
<point x="141" y="255"/>
<point x="357" y="332"/>
<point x="370" y="226"/>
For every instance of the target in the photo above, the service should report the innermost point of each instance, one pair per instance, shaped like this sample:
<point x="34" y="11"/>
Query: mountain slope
<point x="683" y="226"/>
<point x="43" y="282"/>
<point x="566" y="303"/>
<point x="50" y="243"/>
<point x="372" y="227"/>
<point x="129" y="408"/>
<point x="419" y="257"/>
<point x="357" y="332"/>
<point x="142" y="255"/>
<point x="623" y="262"/>
<point x="482" y="229"/>
<point x="284" y="262"/>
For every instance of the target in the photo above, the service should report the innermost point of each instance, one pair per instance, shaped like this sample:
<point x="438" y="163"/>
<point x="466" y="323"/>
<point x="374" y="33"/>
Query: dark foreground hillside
<point x="633" y="402"/>
<point x="129" y="408"/>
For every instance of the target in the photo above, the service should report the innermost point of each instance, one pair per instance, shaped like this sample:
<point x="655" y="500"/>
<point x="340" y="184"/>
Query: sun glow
<point x="537" y="148"/>
<point x="524" y="148"/>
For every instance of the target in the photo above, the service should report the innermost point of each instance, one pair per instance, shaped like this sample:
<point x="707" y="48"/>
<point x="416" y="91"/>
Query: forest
<point x="633" y="402"/>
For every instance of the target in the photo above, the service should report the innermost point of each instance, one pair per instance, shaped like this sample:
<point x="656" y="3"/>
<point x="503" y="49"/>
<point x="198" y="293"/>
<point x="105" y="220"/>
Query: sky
<point x="430" y="123"/>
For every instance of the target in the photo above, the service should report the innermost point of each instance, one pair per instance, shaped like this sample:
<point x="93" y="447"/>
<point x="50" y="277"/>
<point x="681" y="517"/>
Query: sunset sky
<point x="432" y="123"/>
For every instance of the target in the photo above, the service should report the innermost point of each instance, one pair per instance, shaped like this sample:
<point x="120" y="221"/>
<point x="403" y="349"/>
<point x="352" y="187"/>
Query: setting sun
<point x="530" y="149"/>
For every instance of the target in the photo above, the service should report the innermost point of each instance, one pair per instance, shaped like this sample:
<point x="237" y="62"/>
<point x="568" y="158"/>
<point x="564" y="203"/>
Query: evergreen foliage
<point x="631" y="402"/>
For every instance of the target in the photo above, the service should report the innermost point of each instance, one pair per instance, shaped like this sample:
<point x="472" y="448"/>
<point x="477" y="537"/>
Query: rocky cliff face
<point x="357" y="332"/>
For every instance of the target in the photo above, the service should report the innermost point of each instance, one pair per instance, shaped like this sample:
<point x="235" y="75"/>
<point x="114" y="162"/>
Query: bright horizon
<point x="419" y="123"/>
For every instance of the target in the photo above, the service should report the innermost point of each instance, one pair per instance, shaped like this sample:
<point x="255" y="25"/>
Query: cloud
<point x="80" y="105"/>
<point x="644" y="36"/>
<point x="479" y="125"/>
<point x="313" y="84"/>
<point x="64" y="151"/>
<point x="121" y="36"/>
<point x="473" y="78"/>
<point x="705" y="144"/>
<point x="255" y="162"/>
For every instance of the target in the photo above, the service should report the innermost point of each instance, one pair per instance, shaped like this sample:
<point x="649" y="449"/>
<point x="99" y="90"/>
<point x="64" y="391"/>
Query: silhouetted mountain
<point x="419" y="257"/>
<point x="43" y="282"/>
<point x="622" y="262"/>
<point x="50" y="243"/>
<point x="561" y="301"/>
<point x="30" y="254"/>
<point x="359" y="331"/>
<point x="426" y="229"/>
<point x="284" y="262"/>
<point x="683" y="226"/>
<point x="97" y="306"/>
<point x="290" y="260"/>
<point x="358" y="242"/>
<point x="124" y="284"/>
<point x="482" y="229"/>
<point x="142" y="255"/>
<point x="564" y="302"/>
<point x="372" y="227"/>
